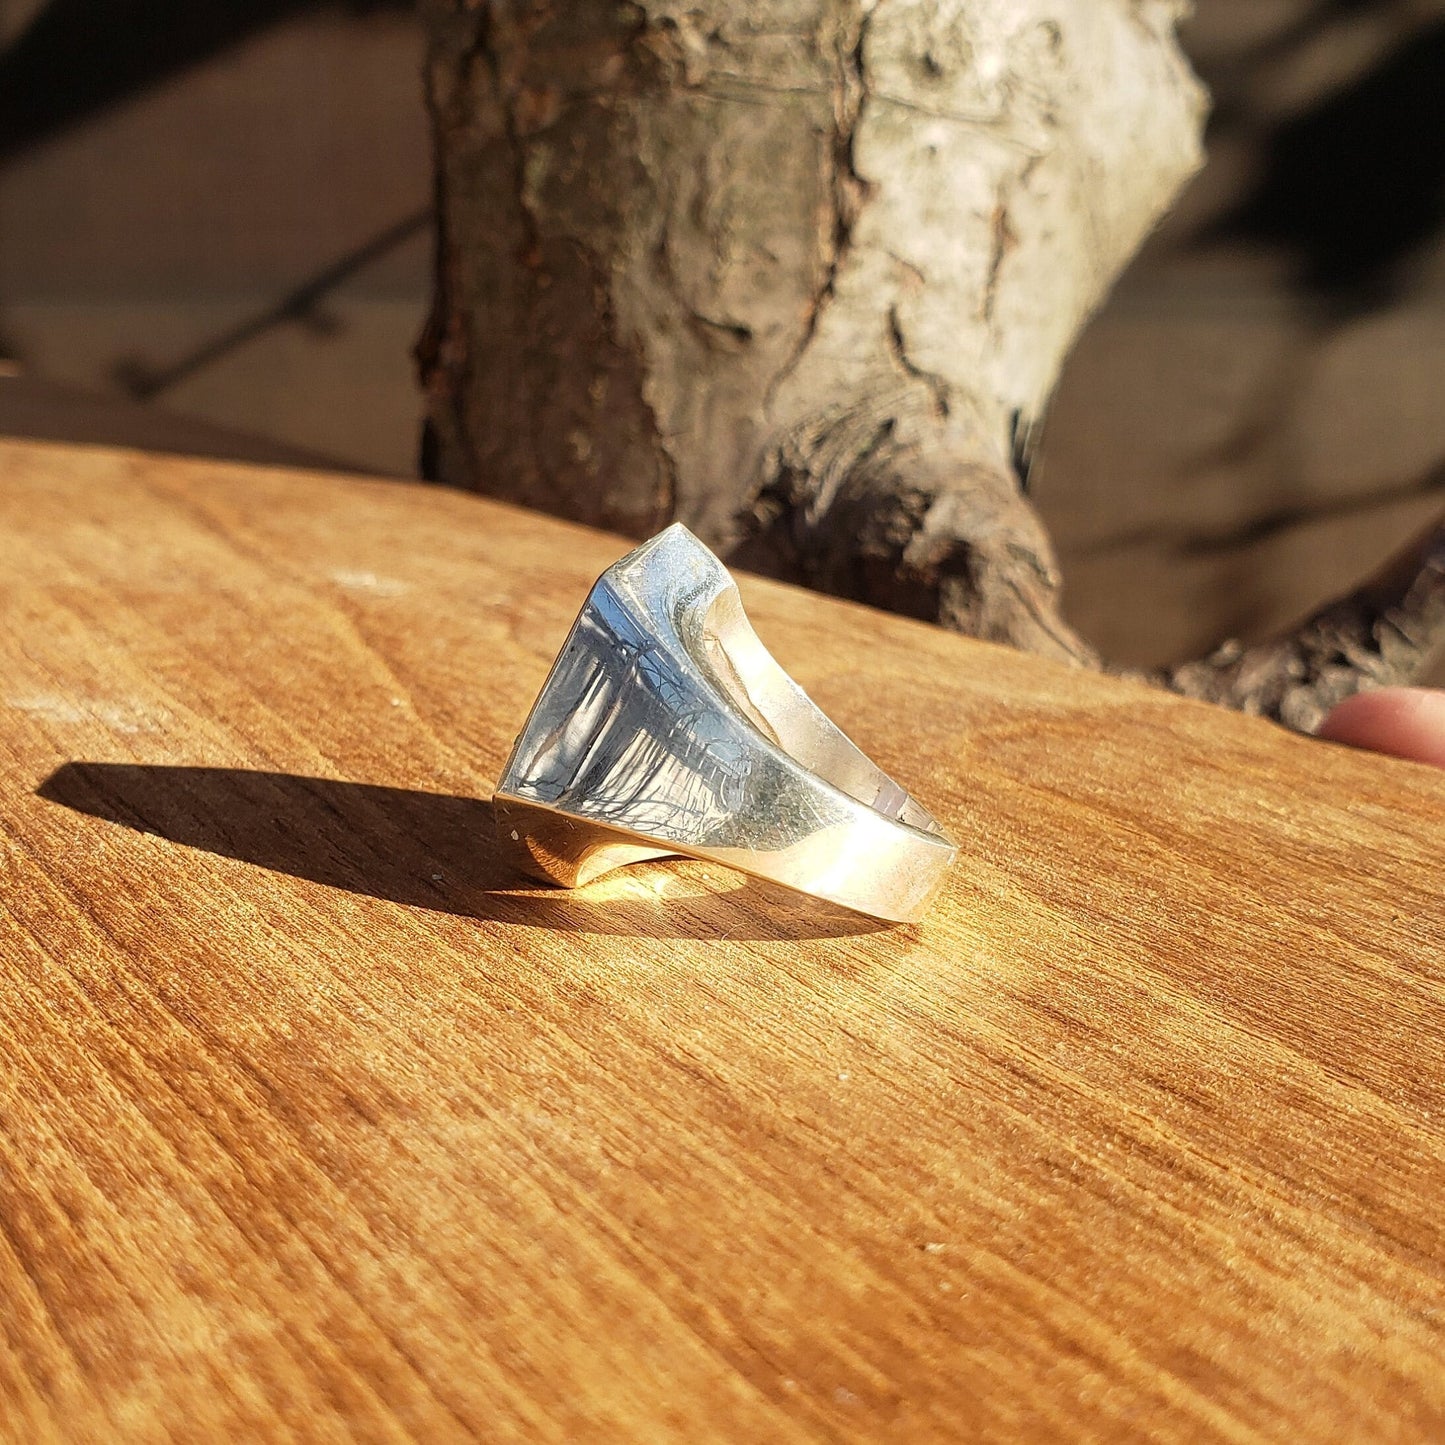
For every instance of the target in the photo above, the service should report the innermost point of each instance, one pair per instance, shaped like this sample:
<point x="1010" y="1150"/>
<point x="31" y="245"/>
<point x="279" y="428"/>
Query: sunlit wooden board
<point x="316" y="1124"/>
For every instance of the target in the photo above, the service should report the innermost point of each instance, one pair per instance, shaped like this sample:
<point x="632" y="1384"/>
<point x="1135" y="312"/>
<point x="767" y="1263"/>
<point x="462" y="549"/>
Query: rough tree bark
<point x="800" y="273"/>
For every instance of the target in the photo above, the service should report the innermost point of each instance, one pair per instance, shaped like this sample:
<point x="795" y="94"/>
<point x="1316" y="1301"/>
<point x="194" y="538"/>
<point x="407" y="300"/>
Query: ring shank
<point x="870" y="865"/>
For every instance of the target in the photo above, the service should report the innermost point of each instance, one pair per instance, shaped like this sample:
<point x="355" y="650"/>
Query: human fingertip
<point x="1402" y="722"/>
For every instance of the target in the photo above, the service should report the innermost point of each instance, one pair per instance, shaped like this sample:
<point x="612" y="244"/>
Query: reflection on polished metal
<point x="665" y="728"/>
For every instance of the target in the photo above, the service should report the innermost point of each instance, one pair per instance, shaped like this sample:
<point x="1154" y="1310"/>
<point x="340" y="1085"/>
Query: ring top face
<point x="666" y="727"/>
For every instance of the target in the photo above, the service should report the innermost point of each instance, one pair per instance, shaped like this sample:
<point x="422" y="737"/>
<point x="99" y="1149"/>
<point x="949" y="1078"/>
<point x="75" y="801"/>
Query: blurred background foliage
<point x="221" y="210"/>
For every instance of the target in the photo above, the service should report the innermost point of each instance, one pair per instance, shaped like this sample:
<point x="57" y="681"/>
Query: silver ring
<point x="665" y="727"/>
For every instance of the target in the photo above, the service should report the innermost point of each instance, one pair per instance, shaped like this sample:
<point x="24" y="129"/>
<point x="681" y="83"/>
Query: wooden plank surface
<point x="314" y="1124"/>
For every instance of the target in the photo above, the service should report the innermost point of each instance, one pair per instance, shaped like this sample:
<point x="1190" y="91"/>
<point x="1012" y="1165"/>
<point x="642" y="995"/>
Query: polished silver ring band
<point x="665" y="727"/>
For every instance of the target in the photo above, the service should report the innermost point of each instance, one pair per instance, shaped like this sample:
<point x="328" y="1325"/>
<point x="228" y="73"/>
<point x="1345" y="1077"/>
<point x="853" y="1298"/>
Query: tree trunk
<point x="799" y="273"/>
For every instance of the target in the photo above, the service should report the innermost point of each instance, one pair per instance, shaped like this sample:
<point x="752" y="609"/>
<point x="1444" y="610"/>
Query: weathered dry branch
<point x="1384" y="633"/>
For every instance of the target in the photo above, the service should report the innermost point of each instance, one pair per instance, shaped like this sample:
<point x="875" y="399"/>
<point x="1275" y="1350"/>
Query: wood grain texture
<point x="315" y="1125"/>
